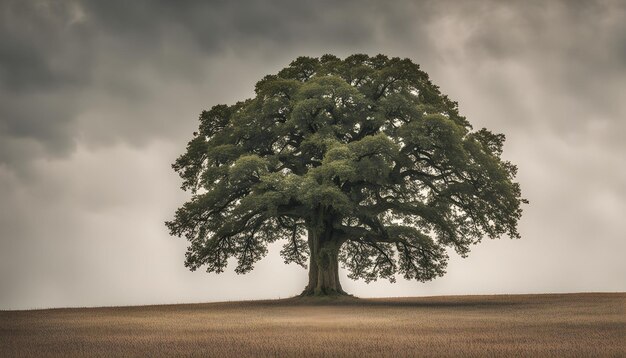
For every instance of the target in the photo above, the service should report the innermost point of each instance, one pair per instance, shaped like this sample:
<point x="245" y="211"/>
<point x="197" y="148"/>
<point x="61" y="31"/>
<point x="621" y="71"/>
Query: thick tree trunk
<point x="323" y="263"/>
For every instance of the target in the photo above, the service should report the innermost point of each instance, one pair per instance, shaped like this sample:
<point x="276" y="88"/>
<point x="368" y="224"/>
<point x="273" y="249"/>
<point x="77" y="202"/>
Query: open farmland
<point x="555" y="325"/>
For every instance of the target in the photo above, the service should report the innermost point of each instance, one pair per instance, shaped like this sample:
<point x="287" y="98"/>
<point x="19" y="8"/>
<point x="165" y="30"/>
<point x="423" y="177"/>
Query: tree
<point x="361" y="161"/>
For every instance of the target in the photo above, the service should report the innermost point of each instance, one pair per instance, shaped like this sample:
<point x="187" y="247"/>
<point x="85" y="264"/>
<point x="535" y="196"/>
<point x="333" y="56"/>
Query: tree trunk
<point x="323" y="263"/>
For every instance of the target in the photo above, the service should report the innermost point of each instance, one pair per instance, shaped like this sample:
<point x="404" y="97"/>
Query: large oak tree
<point x="361" y="161"/>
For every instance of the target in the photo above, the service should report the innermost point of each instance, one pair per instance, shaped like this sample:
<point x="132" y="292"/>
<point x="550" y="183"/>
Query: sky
<point x="98" y="98"/>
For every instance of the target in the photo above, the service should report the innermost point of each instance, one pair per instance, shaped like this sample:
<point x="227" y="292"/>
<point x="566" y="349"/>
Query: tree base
<point x="316" y="292"/>
<point x="332" y="299"/>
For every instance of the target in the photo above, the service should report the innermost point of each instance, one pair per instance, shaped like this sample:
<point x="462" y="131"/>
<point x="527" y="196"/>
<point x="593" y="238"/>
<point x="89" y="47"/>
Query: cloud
<point x="61" y="61"/>
<point x="97" y="98"/>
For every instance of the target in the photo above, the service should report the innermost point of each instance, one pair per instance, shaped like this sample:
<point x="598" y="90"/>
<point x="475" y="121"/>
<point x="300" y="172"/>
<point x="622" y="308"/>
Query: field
<point x="558" y="325"/>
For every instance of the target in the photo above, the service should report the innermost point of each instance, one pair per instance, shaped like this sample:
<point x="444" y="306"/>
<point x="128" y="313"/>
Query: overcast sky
<point x="98" y="98"/>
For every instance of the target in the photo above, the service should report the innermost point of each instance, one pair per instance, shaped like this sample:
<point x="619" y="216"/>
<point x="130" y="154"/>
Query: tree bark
<point x="323" y="263"/>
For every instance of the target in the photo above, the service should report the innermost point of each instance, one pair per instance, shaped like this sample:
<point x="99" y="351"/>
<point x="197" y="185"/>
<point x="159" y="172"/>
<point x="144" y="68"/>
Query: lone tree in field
<point x="361" y="160"/>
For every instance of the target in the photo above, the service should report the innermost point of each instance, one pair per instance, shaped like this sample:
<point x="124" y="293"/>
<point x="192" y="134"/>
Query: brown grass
<point x="558" y="325"/>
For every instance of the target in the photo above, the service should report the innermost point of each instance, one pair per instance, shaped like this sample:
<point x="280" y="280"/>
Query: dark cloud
<point x="39" y="71"/>
<point x="98" y="97"/>
<point x="218" y="24"/>
<point x="38" y="46"/>
<point x="59" y="60"/>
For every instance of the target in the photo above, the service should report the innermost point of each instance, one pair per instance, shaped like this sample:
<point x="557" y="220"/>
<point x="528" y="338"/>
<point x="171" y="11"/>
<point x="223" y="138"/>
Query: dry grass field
<point x="559" y="325"/>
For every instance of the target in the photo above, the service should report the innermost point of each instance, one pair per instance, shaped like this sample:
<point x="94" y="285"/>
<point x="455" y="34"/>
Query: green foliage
<point x="369" y="141"/>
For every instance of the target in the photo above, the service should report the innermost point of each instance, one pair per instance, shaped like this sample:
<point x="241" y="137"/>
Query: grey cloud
<point x="573" y="50"/>
<point x="40" y="71"/>
<point x="60" y="60"/>
<point x="97" y="98"/>
<point x="217" y="24"/>
<point x="38" y="45"/>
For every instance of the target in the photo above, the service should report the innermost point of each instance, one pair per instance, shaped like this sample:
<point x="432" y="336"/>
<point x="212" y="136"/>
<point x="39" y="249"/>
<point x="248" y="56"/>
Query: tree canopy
<point x="361" y="161"/>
